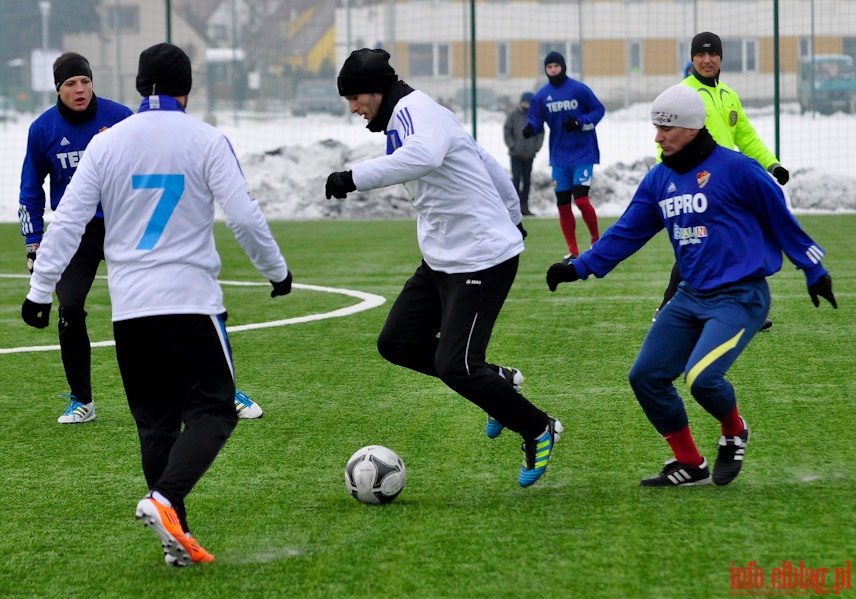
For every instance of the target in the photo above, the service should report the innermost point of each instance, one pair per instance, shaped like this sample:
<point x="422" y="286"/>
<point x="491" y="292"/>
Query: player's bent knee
<point x="71" y="316"/>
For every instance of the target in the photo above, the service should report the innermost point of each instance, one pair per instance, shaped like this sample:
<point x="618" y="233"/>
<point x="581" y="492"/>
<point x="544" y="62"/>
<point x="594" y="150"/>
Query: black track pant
<point x="462" y="309"/>
<point x="177" y="369"/>
<point x="71" y="291"/>
<point x="521" y="176"/>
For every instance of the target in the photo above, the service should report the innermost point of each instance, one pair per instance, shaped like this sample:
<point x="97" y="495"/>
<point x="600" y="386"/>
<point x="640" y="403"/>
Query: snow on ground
<point x="287" y="159"/>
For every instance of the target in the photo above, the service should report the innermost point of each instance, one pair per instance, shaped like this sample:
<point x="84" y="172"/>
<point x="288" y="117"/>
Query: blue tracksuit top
<point x="727" y="221"/>
<point x="54" y="148"/>
<point x="555" y="105"/>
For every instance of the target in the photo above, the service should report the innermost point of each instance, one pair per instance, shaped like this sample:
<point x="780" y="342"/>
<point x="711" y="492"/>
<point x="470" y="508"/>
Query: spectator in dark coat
<point x="521" y="150"/>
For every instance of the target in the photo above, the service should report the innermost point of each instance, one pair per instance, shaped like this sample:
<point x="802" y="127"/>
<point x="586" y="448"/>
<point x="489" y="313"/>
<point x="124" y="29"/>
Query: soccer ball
<point x="375" y="474"/>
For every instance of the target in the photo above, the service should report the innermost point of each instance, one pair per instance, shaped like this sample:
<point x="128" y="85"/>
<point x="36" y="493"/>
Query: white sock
<point x="161" y="499"/>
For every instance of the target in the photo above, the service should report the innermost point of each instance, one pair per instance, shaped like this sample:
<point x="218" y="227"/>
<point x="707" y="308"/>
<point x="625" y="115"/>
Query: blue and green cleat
<point x="537" y="453"/>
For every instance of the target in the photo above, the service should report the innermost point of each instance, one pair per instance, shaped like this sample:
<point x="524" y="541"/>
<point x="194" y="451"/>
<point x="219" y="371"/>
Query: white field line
<point x="367" y="302"/>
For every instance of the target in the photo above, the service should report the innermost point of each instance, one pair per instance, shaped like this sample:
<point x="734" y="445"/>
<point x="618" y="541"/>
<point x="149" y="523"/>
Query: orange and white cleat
<point x="179" y="548"/>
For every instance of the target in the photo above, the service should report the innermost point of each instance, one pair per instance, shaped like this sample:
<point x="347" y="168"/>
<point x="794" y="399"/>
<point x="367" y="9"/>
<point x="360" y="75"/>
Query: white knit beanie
<point x="679" y="106"/>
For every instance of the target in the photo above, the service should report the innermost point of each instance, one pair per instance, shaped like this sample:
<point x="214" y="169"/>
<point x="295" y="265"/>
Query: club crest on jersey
<point x="702" y="178"/>
<point x="733" y="117"/>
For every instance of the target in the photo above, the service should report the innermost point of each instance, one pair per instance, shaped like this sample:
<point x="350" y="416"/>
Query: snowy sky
<point x="287" y="160"/>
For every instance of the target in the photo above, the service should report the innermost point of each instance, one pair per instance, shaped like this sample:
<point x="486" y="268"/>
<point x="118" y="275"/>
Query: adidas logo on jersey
<point x="65" y="142"/>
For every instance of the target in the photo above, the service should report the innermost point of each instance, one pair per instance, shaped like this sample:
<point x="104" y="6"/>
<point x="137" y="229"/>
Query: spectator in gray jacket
<point x="522" y="151"/>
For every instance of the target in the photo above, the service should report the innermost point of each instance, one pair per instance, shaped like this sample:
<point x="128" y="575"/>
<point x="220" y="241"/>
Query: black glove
<point x="572" y="124"/>
<point x="31" y="255"/>
<point x="561" y="273"/>
<point x="522" y="230"/>
<point x="36" y="315"/>
<point x="283" y="287"/>
<point x="822" y="288"/>
<point x="340" y="185"/>
<point x="527" y="132"/>
<point x="781" y="174"/>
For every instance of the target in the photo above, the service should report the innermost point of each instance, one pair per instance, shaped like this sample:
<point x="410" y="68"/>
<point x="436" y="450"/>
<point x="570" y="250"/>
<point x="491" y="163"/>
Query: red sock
<point x="569" y="228"/>
<point x="732" y="425"/>
<point x="589" y="216"/>
<point x="684" y="447"/>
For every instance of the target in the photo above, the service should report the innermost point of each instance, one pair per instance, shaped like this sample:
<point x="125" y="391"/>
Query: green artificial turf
<point x="274" y="508"/>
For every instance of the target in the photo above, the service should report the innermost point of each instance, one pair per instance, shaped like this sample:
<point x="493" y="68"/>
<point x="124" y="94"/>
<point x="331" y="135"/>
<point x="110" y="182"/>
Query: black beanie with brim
<point x="366" y="71"/>
<point x="164" y="70"/>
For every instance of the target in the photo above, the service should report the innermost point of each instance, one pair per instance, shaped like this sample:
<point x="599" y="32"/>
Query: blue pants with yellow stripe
<point x="700" y="334"/>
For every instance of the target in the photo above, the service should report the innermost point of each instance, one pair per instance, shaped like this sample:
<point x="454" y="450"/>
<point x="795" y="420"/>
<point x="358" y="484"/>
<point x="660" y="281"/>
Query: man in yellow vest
<point x="726" y="122"/>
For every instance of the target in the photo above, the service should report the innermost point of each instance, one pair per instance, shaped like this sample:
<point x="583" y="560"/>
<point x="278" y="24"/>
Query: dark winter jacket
<point x="517" y="146"/>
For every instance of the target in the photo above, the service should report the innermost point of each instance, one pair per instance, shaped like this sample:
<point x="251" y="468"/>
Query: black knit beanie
<point x="366" y="72"/>
<point x="706" y="42"/>
<point x="68" y="65"/>
<point x="164" y="70"/>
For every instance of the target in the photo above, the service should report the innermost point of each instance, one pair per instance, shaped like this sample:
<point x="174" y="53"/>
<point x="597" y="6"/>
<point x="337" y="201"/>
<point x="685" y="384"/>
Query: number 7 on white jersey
<point x="173" y="187"/>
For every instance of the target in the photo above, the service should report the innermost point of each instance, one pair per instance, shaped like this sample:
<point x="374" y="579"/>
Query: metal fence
<point x="252" y="57"/>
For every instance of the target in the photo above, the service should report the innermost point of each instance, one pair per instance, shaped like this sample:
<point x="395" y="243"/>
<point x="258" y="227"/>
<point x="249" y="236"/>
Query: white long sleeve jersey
<point x="157" y="175"/>
<point x="467" y="209"/>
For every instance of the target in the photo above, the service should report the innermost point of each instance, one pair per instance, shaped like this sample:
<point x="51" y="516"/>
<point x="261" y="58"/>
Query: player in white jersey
<point x="470" y="232"/>
<point x="157" y="178"/>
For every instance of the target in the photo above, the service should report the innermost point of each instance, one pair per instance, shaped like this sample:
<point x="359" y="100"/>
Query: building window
<point x="429" y="60"/>
<point x="217" y="33"/>
<point x="503" y="60"/>
<point x="848" y="46"/>
<point x="683" y="56"/>
<point x="740" y="56"/>
<point x="444" y="60"/>
<point x="123" y="18"/>
<point x="571" y="52"/>
<point x="421" y="60"/>
<point x="805" y="47"/>
<point x="751" y="55"/>
<point x="634" y="57"/>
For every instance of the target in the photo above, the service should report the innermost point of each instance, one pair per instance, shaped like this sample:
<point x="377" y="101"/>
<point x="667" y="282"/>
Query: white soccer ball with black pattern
<point x="375" y="474"/>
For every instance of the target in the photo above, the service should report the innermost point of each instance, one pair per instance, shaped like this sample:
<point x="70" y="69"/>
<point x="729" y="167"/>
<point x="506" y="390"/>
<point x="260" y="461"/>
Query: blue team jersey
<point x="727" y="221"/>
<point x="554" y="106"/>
<point x="54" y="148"/>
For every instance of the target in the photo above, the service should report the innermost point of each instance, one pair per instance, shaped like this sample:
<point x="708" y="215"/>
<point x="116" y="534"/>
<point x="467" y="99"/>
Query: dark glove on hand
<point x="527" y="132"/>
<point x="283" y="287"/>
<point x="339" y="185"/>
<point x="572" y="124"/>
<point x="31" y="255"/>
<point x="36" y="315"/>
<point x="561" y="273"/>
<point x="822" y="288"/>
<point x="522" y="230"/>
<point x="781" y="174"/>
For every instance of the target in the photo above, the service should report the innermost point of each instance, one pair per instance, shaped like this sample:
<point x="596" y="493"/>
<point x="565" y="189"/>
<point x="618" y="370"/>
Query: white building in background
<point x="626" y="50"/>
<point x="127" y="28"/>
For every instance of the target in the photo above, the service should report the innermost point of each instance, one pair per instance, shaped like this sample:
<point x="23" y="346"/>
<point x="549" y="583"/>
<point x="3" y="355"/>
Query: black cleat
<point x="729" y="460"/>
<point x="676" y="474"/>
